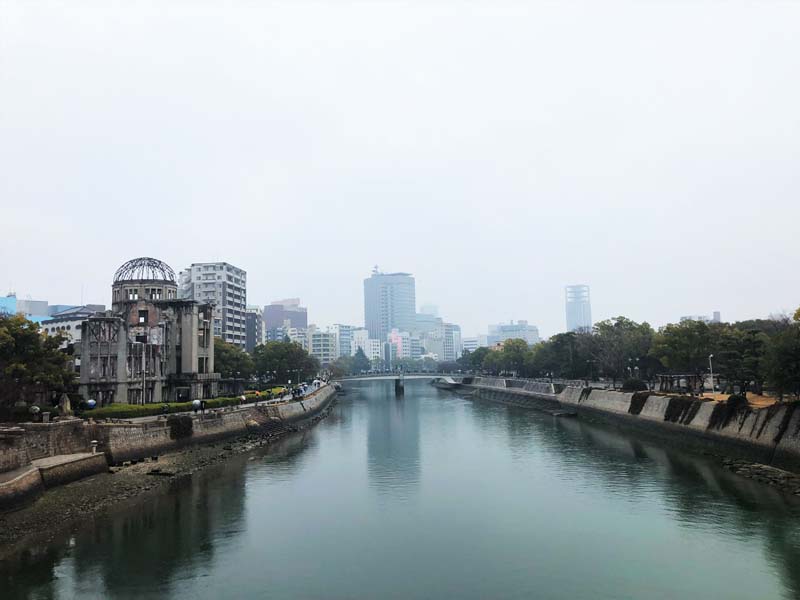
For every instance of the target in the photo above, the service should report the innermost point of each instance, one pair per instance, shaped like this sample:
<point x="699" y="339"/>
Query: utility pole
<point x="711" y="368"/>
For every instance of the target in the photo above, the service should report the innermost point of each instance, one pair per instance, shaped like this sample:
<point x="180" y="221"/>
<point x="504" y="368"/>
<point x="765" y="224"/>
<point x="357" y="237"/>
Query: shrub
<point x="634" y="385"/>
<point x="131" y="411"/>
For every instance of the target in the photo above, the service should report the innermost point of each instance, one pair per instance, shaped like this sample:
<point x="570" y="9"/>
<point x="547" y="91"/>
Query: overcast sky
<point x="497" y="151"/>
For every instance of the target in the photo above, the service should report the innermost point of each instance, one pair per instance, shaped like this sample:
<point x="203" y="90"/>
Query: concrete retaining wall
<point x="20" y="488"/>
<point x="13" y="449"/>
<point x="133" y="441"/>
<point x="72" y="471"/>
<point x="59" y="437"/>
<point x="770" y="435"/>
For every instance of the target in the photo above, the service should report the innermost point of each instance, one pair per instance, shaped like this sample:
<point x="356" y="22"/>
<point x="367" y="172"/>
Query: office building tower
<point x="254" y="330"/>
<point x="578" y="308"/>
<point x="224" y="286"/>
<point x="389" y="303"/>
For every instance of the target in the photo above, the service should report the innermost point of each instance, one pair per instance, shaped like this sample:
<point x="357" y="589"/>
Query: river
<point x="436" y="496"/>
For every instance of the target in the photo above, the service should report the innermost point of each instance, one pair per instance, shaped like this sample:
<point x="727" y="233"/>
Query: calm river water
<point x="437" y="496"/>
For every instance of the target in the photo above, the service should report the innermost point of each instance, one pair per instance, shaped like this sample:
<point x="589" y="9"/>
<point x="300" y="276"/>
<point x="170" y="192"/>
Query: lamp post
<point x="711" y="369"/>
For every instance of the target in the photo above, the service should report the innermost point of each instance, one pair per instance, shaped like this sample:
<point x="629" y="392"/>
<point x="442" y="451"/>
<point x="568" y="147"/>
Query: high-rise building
<point x="470" y="344"/>
<point x="510" y="331"/>
<point x="225" y="286"/>
<point x="322" y="345"/>
<point x="371" y="347"/>
<point x="254" y="330"/>
<point x="578" y="308"/>
<point x="389" y="303"/>
<point x="282" y="315"/>
<point x="344" y="337"/>
<point x="404" y="344"/>
<point x="444" y="342"/>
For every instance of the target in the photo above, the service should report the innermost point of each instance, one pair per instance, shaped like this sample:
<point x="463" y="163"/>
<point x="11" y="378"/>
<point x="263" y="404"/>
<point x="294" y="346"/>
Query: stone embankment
<point x="768" y="435"/>
<point x="66" y="507"/>
<point x="36" y="457"/>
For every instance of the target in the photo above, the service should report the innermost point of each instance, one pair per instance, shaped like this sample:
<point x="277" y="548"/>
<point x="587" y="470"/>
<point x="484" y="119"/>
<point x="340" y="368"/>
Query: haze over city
<point x="496" y="151"/>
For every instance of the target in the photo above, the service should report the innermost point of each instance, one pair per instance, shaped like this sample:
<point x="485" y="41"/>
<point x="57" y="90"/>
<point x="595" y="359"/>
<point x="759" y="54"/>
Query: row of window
<point x="57" y="328"/>
<point x="149" y="294"/>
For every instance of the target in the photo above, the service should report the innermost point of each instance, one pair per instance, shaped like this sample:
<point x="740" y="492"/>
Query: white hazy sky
<point x="496" y="150"/>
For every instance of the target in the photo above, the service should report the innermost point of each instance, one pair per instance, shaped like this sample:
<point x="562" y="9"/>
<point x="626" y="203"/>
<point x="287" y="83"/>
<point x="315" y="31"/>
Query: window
<point x="133" y="294"/>
<point x="143" y="317"/>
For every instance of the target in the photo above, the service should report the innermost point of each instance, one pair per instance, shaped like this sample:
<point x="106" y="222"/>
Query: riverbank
<point x="749" y="437"/>
<point x="65" y="508"/>
<point x="118" y="442"/>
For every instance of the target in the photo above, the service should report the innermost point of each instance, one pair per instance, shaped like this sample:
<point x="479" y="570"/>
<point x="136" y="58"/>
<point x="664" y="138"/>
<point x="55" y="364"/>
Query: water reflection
<point x="146" y="549"/>
<point x="629" y="467"/>
<point x="393" y="448"/>
<point x="515" y="503"/>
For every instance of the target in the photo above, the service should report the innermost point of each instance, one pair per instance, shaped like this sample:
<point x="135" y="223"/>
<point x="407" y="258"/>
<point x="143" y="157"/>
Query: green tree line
<point x="748" y="354"/>
<point x="276" y="361"/>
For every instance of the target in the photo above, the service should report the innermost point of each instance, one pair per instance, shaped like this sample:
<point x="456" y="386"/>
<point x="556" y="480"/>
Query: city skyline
<point x="325" y="316"/>
<point x="647" y="197"/>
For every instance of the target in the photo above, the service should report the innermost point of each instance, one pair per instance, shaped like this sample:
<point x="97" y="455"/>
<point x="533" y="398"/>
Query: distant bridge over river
<point x="389" y="376"/>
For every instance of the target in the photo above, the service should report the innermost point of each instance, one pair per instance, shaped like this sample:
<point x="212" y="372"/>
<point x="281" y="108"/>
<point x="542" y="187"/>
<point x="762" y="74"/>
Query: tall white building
<point x="578" y="307"/>
<point x="322" y="345"/>
<point x="389" y="303"/>
<point x="224" y="286"/>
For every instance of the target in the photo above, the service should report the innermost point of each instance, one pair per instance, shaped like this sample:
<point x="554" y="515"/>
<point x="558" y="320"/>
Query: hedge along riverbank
<point x="130" y="411"/>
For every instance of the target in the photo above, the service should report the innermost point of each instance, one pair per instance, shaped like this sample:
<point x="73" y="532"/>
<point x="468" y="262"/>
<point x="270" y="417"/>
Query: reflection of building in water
<point x="393" y="457"/>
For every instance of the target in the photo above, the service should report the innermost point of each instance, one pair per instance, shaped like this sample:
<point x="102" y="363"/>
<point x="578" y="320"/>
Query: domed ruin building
<point x="151" y="346"/>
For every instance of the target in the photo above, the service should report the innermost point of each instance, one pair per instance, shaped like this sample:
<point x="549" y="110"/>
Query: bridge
<point x="389" y="376"/>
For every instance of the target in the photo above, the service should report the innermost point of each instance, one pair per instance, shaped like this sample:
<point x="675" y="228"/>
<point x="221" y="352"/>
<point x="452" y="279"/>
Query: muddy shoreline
<point x="64" y="509"/>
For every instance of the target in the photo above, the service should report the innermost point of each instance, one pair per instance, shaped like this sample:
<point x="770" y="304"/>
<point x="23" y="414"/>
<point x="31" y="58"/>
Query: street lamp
<point x="711" y="369"/>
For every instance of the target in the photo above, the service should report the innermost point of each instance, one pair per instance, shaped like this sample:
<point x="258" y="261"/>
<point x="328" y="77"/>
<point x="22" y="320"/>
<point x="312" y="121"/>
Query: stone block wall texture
<point x="59" y="437"/>
<point x="133" y="441"/>
<point x="13" y="449"/>
<point x="72" y="471"/>
<point x="23" y="488"/>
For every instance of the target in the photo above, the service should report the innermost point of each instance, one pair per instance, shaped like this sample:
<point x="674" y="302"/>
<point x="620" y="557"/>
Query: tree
<point x="492" y="362"/>
<point x="341" y="366"/>
<point x="782" y="362"/>
<point x="740" y="357"/>
<point x="797" y="316"/>
<point x="684" y="347"/>
<point x="29" y="361"/>
<point x="512" y="356"/>
<point x="361" y="363"/>
<point x="620" y="342"/>
<point x="231" y="361"/>
<point x="284" y="361"/>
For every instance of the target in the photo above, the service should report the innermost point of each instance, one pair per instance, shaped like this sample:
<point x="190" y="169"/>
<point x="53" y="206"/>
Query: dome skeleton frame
<point x="145" y="269"/>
